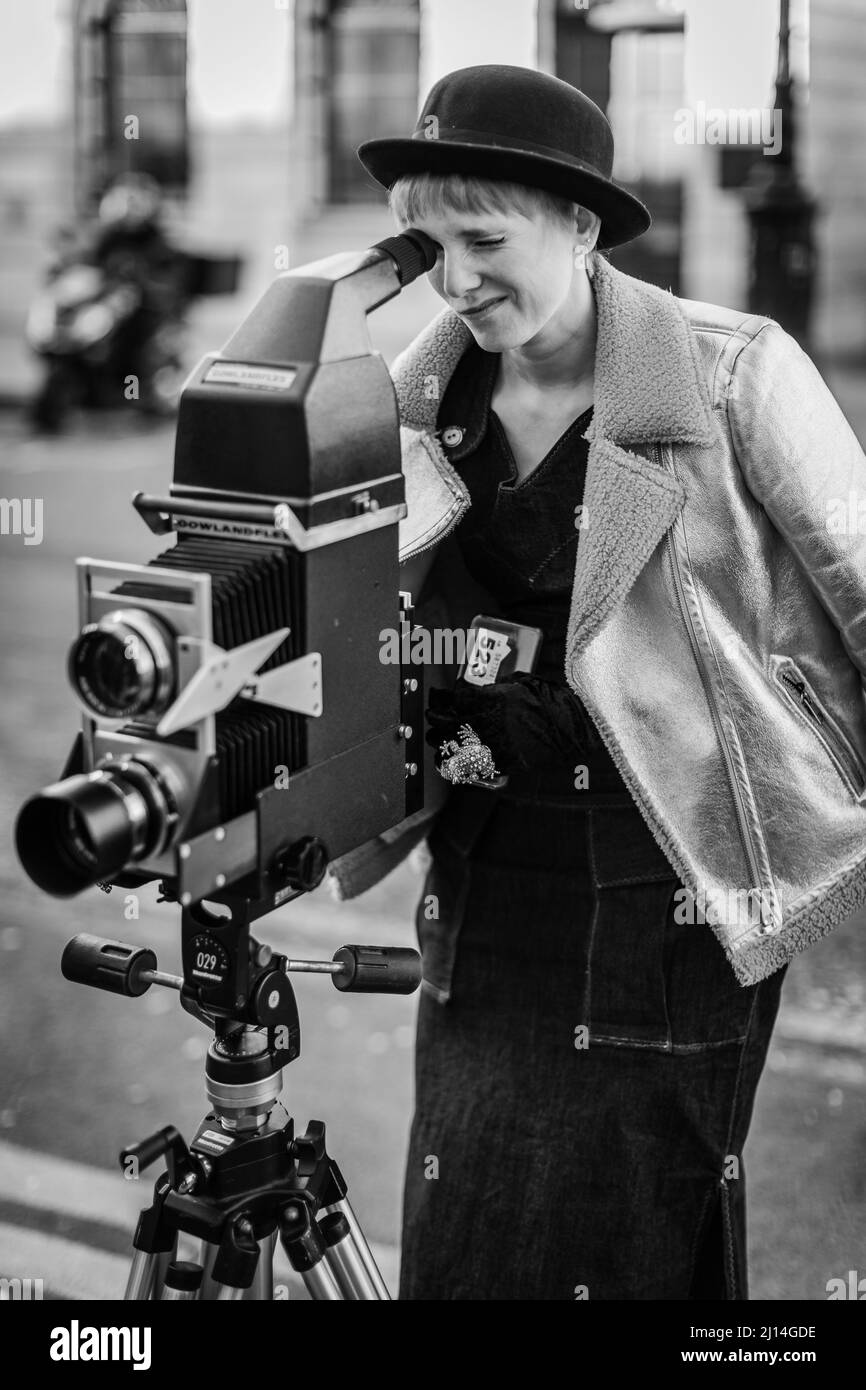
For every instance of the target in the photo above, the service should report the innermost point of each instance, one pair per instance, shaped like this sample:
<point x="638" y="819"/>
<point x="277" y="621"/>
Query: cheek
<point x="549" y="290"/>
<point x="434" y="280"/>
<point x="536" y="295"/>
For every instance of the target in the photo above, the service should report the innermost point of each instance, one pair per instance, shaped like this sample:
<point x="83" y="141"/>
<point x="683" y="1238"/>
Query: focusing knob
<point x="303" y="864"/>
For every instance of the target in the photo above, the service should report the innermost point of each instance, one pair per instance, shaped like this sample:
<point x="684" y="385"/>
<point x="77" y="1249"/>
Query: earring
<point x="580" y="256"/>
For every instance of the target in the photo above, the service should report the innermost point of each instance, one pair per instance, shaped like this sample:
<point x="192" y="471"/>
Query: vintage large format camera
<point x="239" y="729"/>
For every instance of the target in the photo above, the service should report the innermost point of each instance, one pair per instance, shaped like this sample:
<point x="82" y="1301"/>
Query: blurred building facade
<point x="129" y="93"/>
<point x="357" y="74"/>
<point x="360" y="68"/>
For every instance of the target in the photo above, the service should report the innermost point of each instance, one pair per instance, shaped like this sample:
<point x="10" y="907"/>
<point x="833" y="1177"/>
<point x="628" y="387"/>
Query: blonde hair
<point x="414" y="196"/>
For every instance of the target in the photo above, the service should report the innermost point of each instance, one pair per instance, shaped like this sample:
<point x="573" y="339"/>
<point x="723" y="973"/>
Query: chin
<point x="496" y="337"/>
<point x="500" y="340"/>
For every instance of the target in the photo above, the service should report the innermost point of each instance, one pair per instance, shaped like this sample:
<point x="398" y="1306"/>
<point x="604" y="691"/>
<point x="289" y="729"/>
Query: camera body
<point x="239" y="728"/>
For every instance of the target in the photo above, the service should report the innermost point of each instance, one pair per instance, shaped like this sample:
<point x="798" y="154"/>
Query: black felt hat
<point x="503" y="122"/>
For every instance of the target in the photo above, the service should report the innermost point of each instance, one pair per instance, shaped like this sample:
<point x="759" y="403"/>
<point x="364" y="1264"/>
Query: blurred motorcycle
<point x="109" y="325"/>
<point x="84" y="328"/>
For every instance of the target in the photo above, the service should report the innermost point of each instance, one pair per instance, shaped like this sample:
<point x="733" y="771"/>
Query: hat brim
<point x="623" y="216"/>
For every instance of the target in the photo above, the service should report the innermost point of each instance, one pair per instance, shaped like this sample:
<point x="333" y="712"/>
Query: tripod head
<point x="234" y="983"/>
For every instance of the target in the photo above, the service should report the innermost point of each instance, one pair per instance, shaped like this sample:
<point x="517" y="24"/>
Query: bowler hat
<point x="498" y="121"/>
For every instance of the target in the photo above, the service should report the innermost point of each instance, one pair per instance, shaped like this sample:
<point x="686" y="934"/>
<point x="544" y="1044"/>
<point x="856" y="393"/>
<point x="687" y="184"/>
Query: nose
<point x="459" y="279"/>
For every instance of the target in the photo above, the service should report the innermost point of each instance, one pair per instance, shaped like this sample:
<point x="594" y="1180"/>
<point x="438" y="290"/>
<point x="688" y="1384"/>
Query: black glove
<point x="529" y="724"/>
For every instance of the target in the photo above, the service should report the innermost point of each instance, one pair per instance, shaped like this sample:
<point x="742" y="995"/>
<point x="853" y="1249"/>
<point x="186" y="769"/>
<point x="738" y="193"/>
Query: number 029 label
<point x="209" y="959"/>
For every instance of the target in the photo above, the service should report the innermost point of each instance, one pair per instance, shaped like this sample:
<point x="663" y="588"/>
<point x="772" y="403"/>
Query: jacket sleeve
<point x="804" y="464"/>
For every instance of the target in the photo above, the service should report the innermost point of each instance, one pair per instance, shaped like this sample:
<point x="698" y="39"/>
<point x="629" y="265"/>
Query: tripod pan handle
<point x="147" y="1151"/>
<point x="109" y="965"/>
<point x="378" y="970"/>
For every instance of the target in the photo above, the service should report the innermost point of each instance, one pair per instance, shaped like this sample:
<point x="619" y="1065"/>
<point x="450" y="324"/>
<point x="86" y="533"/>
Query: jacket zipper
<point x="842" y="752"/>
<point x="742" y="818"/>
<point x="428" y="545"/>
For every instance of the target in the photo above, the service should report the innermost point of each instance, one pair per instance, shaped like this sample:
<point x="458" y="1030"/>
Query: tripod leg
<point x="207" y="1253"/>
<point x="227" y="1293"/>
<point x="147" y="1275"/>
<point x="321" y="1284"/>
<point x="154" y="1245"/>
<point x="262" y="1287"/>
<point x="182" y="1282"/>
<point x="349" y="1255"/>
<point x="305" y="1246"/>
<point x="213" y="1289"/>
<point x="141" y="1277"/>
<point x="163" y="1260"/>
<point x="238" y="1258"/>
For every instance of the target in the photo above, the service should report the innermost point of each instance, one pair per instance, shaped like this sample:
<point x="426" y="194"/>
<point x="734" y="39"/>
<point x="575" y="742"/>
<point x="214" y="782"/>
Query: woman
<point x="647" y="481"/>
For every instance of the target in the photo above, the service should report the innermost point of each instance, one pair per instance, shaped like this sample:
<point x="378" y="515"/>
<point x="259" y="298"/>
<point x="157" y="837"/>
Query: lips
<point x="482" y="308"/>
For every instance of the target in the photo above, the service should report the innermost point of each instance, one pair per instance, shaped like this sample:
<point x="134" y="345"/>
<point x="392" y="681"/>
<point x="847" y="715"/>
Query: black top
<point x="519" y="538"/>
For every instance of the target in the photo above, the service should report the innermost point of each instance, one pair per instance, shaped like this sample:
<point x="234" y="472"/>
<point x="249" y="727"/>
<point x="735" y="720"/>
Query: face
<point x="507" y="275"/>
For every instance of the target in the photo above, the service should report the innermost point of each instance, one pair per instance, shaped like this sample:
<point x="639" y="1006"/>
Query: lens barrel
<point x="86" y="828"/>
<point x="123" y="665"/>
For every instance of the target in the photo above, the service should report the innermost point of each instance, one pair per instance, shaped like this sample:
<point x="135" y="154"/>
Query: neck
<point x="562" y="353"/>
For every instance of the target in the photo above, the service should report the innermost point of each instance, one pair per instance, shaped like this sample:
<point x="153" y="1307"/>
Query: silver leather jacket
<point x="717" y="631"/>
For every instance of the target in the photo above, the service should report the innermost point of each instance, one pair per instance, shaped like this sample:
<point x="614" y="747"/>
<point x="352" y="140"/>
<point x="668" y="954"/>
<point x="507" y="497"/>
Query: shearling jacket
<point x="717" y="630"/>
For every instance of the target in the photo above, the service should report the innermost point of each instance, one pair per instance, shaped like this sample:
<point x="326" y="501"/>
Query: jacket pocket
<point x="799" y="693"/>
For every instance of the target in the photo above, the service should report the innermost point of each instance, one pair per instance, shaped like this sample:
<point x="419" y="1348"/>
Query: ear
<point x="587" y="225"/>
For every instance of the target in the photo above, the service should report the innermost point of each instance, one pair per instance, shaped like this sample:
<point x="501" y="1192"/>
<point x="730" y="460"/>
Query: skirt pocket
<point x="440" y="911"/>
<point x="439" y="917"/>
<point x="626" y="1001"/>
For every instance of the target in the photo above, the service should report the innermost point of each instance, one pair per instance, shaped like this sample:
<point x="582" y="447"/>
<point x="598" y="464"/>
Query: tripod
<point x="245" y="1179"/>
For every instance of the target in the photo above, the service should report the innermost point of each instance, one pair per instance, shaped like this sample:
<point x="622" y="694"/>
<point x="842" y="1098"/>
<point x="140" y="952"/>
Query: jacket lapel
<point x="648" y="389"/>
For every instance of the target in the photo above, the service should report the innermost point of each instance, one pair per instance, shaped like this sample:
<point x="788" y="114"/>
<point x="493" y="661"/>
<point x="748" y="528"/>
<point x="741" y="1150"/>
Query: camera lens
<point x="87" y="828"/>
<point x="123" y="665"/>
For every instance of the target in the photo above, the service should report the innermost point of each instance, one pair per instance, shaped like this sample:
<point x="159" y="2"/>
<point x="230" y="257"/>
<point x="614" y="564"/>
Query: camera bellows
<point x="253" y="742"/>
<point x="255" y="589"/>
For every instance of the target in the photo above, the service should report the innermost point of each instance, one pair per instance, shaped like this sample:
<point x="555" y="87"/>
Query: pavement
<point x="83" y="1074"/>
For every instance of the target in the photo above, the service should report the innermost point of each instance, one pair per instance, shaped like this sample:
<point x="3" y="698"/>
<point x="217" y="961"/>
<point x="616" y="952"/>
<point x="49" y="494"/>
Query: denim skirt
<point x="585" y="1066"/>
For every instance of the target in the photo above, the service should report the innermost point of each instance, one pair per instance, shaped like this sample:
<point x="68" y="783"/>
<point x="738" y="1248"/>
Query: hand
<point x="529" y="724"/>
